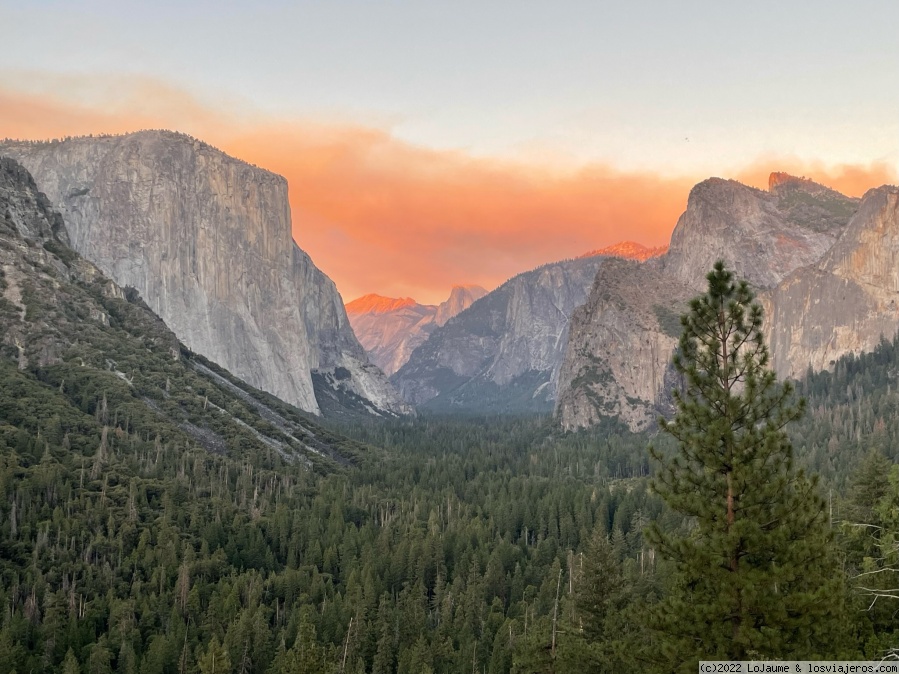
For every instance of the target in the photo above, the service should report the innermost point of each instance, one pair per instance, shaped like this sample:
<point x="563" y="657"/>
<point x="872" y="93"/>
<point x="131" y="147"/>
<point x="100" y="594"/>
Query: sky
<point x="433" y="143"/>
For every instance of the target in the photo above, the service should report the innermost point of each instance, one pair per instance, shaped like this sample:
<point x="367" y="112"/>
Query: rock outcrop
<point x="206" y="240"/>
<point x="620" y="346"/>
<point x="503" y="353"/>
<point x="621" y="341"/>
<point x="36" y="270"/>
<point x="763" y="236"/>
<point x="847" y="301"/>
<point x="390" y="329"/>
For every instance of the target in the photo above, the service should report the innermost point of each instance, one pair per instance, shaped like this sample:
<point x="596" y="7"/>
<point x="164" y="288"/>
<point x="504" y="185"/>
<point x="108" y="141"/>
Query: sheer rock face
<point x="622" y="339"/>
<point x="619" y="352"/>
<point x="847" y="301"/>
<point x="59" y="313"/>
<point x="206" y="239"/>
<point x="763" y="236"/>
<point x="503" y="353"/>
<point x="390" y="329"/>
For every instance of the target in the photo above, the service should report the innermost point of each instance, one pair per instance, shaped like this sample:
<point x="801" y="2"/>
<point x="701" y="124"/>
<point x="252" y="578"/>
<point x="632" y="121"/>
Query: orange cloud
<point x="105" y="105"/>
<point x="850" y="179"/>
<point x="381" y="215"/>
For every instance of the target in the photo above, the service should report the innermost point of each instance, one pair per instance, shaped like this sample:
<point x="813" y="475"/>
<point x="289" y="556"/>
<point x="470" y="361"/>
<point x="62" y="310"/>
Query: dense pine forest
<point x="454" y="545"/>
<point x="449" y="550"/>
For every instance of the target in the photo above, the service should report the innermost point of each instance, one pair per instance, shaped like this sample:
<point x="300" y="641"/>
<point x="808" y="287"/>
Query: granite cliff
<point x="390" y="329"/>
<point x="847" y="301"/>
<point x="503" y="353"/>
<point x="763" y="236"/>
<point x="621" y="341"/>
<point x="85" y="362"/>
<point x="620" y="345"/>
<point x="206" y="240"/>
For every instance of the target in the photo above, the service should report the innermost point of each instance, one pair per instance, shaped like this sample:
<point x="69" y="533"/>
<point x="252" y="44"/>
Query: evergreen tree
<point x="871" y="541"/>
<point x="216" y="659"/>
<point x="70" y="664"/>
<point x="603" y="587"/>
<point x="383" y="662"/>
<point x="753" y="575"/>
<point x="306" y="656"/>
<point x="602" y="603"/>
<point x="868" y="486"/>
<point x="100" y="657"/>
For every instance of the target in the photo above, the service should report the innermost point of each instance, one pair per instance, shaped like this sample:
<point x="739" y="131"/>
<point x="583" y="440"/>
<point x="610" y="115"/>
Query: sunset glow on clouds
<point x="378" y="214"/>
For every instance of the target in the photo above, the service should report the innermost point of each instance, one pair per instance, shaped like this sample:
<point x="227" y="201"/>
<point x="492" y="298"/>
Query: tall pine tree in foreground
<point x="754" y="576"/>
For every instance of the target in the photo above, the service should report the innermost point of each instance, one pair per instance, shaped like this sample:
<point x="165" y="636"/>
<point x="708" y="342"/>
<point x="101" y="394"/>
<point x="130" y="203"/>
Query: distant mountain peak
<point x="468" y="286"/>
<point x="503" y="352"/>
<point x="390" y="329"/>
<point x="378" y="304"/>
<point x="461" y="297"/>
<point x="630" y="250"/>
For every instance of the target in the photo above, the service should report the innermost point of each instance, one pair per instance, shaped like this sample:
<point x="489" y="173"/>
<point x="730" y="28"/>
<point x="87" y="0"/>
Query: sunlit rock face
<point x="207" y="241"/>
<point x="619" y="350"/>
<point x="390" y="329"/>
<point x="503" y="353"/>
<point x="629" y="250"/>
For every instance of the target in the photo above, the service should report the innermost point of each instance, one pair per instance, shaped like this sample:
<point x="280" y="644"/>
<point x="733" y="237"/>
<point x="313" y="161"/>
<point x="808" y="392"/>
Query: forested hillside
<point x="158" y="515"/>
<point x="852" y="409"/>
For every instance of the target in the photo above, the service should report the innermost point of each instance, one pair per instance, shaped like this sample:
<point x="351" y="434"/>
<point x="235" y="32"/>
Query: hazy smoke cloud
<point x="380" y="215"/>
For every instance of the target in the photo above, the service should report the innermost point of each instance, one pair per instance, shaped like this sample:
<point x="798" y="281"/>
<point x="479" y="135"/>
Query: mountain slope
<point x="622" y="338"/>
<point x="391" y="329"/>
<point x="502" y="354"/>
<point x="206" y="239"/>
<point x="87" y="363"/>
